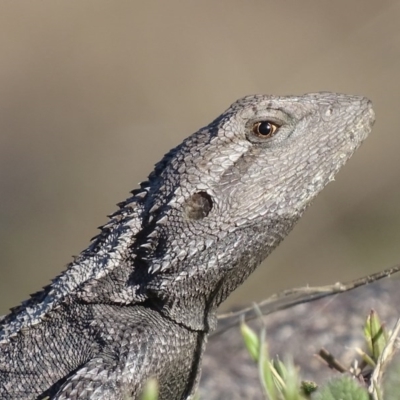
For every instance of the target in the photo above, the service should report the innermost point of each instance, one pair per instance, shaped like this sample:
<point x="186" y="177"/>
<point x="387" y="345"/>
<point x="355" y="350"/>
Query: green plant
<point x="360" y="381"/>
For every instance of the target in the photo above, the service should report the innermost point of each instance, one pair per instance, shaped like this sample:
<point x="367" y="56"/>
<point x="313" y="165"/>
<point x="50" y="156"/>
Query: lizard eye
<point x="265" y="129"/>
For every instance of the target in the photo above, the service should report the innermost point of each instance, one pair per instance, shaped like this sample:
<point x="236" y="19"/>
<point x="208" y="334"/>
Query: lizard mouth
<point x="367" y="121"/>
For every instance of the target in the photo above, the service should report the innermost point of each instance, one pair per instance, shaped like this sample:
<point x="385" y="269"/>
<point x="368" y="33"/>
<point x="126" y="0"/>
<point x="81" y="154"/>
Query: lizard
<point x="142" y="299"/>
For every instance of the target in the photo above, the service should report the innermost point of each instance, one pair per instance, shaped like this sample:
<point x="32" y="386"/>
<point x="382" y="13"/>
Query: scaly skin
<point x="141" y="300"/>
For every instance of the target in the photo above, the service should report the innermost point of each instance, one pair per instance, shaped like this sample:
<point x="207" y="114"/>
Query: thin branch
<point x="292" y="297"/>
<point x="331" y="361"/>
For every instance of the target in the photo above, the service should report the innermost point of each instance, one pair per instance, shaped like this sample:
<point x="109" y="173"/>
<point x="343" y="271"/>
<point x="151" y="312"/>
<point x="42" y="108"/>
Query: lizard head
<point x="278" y="153"/>
<point x="220" y="202"/>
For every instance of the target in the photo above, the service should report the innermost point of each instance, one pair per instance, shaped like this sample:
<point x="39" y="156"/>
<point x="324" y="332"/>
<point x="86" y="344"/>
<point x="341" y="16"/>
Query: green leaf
<point x="291" y="390"/>
<point x="251" y="341"/>
<point x="375" y="334"/>
<point x="343" y="388"/>
<point x="265" y="369"/>
<point x="150" y="390"/>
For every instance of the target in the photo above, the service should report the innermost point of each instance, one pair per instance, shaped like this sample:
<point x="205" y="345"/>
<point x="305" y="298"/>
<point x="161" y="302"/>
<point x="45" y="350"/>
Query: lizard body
<point x="141" y="300"/>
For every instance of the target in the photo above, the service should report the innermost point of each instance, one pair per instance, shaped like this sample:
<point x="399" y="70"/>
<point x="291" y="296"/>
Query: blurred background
<point x="93" y="93"/>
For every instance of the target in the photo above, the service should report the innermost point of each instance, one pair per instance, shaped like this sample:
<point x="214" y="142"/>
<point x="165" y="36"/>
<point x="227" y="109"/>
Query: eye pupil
<point x="264" y="128"/>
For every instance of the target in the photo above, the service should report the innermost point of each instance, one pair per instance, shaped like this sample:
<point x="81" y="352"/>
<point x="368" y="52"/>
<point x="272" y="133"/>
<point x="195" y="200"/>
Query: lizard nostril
<point x="198" y="206"/>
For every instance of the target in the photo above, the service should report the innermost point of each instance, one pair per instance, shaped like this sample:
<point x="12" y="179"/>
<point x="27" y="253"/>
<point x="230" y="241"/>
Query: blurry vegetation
<point x="150" y="391"/>
<point x="371" y="376"/>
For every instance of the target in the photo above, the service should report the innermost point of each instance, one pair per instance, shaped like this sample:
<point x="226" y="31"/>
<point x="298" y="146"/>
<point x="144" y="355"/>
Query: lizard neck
<point x="191" y="294"/>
